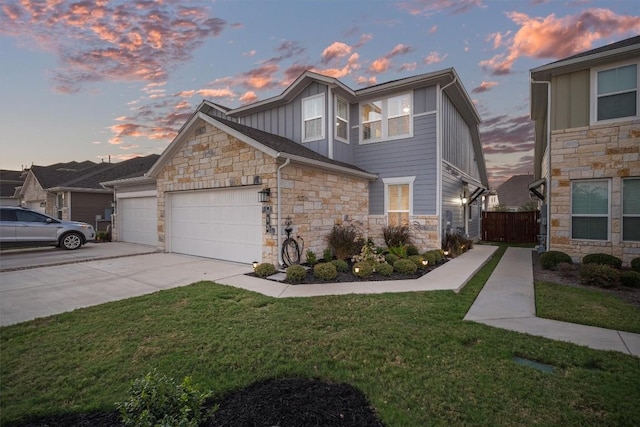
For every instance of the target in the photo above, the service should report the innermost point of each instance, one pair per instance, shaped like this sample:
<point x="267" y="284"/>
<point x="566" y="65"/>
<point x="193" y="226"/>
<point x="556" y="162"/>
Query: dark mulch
<point x="283" y="403"/>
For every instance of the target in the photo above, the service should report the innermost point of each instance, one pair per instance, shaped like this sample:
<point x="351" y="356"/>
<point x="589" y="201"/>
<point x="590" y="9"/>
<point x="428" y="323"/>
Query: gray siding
<point x="457" y="146"/>
<point x="452" y="210"/>
<point x="570" y="100"/>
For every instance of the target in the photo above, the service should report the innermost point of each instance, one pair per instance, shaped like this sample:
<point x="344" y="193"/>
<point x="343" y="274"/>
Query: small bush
<point x="391" y="258"/>
<point x="456" y="244"/>
<point x="565" y="269"/>
<point x="549" y="260"/>
<point x="327" y="254"/>
<point x="417" y="260"/>
<point x="369" y="254"/>
<point x="630" y="278"/>
<point x="405" y="266"/>
<point x="341" y="265"/>
<point x="344" y="241"/>
<point x="412" y="250"/>
<point x="325" y="271"/>
<point x="156" y="400"/>
<point x="602" y="276"/>
<point x="602" y="259"/>
<point x="365" y="269"/>
<point x="399" y="251"/>
<point x="437" y="255"/>
<point x="384" y="269"/>
<point x="635" y="264"/>
<point x="396" y="235"/>
<point x="431" y="258"/>
<point x="312" y="259"/>
<point x="265" y="269"/>
<point x="296" y="273"/>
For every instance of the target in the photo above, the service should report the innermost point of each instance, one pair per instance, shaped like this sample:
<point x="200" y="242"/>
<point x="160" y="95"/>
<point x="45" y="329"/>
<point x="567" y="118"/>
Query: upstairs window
<point x="342" y="120"/>
<point x="385" y="119"/>
<point x="616" y="93"/>
<point x="313" y="118"/>
<point x="631" y="209"/>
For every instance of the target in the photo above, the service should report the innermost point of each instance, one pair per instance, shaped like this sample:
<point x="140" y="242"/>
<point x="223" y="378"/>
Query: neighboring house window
<point x="398" y="195"/>
<point x="313" y="118"/>
<point x="590" y="210"/>
<point x="342" y="120"/>
<point x="631" y="209"/>
<point x="388" y="118"/>
<point x="616" y="93"/>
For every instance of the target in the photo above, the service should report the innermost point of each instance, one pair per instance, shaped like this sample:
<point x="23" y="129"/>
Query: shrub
<point x="399" y="251"/>
<point x="341" y="265"/>
<point x="437" y="255"/>
<point x="327" y="254"/>
<point x="456" y="244"/>
<point x="565" y="269"/>
<point x="396" y="235"/>
<point x="344" y="241"/>
<point x="549" y="260"/>
<point x="635" y="264"/>
<point x="412" y="250"/>
<point x="312" y="259"/>
<point x="431" y="258"/>
<point x="600" y="275"/>
<point x="405" y="266"/>
<point x="602" y="259"/>
<point x="369" y="254"/>
<point x="296" y="273"/>
<point x="384" y="269"/>
<point x="630" y="278"/>
<point x="391" y="258"/>
<point x="417" y="260"/>
<point x="365" y="269"/>
<point x="325" y="271"/>
<point x="156" y="400"/>
<point x="265" y="269"/>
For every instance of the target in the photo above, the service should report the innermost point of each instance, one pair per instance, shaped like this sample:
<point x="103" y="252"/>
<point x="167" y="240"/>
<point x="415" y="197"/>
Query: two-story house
<point x="586" y="110"/>
<point x="319" y="154"/>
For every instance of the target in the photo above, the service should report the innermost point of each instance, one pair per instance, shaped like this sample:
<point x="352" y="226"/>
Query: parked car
<point x="24" y="227"/>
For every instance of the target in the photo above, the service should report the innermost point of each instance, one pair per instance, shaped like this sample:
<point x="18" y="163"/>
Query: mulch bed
<point x="290" y="402"/>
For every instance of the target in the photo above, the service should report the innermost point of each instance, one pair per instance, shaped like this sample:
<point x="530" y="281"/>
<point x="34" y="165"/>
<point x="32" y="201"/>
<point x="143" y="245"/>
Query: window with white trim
<point x="398" y="196"/>
<point x="313" y="118"/>
<point x="590" y="210"/>
<point x="615" y="93"/>
<point x="342" y="120"/>
<point x="385" y="119"/>
<point x="631" y="209"/>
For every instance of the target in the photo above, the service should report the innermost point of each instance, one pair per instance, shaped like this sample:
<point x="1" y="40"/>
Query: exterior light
<point x="264" y="195"/>
<point x="446" y="253"/>
<point x="463" y="200"/>
<point x="425" y="262"/>
<point x="255" y="264"/>
<point x="356" y="270"/>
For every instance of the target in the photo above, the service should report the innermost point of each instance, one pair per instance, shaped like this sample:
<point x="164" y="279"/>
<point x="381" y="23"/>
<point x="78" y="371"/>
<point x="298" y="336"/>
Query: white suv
<point x="23" y="227"/>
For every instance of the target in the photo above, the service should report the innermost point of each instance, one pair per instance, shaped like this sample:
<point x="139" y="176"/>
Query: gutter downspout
<point x="280" y="262"/>
<point x="439" y="157"/>
<point x="548" y="185"/>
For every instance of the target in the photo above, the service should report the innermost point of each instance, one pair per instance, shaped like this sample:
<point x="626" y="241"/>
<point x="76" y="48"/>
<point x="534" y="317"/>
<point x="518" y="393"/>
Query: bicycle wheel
<point x="290" y="252"/>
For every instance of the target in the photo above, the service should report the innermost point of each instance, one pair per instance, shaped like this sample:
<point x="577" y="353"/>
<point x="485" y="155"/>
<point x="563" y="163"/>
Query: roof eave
<point x="128" y="181"/>
<point x="328" y="166"/>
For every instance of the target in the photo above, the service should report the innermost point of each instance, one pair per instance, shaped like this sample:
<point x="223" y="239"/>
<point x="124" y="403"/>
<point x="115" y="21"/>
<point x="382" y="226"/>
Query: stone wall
<point x="424" y="231"/>
<point x="605" y="151"/>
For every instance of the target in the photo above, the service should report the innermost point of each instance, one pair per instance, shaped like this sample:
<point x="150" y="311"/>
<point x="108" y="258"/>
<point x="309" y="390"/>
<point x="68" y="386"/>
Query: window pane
<point x="631" y="229"/>
<point x="589" y="228"/>
<point x="399" y="105"/>
<point x="617" y="79"/>
<point x="631" y="196"/>
<point x="341" y="110"/>
<point x="399" y="197"/>
<point x="372" y="130"/>
<point x="372" y="111"/>
<point x="399" y="126"/>
<point x="312" y="107"/>
<point x="341" y="129"/>
<point x="313" y="128"/>
<point x="398" y="218"/>
<point x="590" y="197"/>
<point x="615" y="106"/>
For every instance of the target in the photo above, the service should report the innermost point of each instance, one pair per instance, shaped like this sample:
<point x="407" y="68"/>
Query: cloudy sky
<point x="91" y="80"/>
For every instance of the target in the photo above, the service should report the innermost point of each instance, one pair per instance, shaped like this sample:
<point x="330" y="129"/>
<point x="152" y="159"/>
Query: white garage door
<point x="223" y="224"/>
<point x="138" y="220"/>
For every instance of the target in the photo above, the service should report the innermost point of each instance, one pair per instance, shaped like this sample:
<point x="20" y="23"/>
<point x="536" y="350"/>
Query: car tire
<point x="71" y="241"/>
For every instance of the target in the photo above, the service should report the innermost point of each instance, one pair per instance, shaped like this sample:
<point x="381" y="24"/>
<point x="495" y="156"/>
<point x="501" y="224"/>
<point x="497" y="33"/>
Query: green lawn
<point x="586" y="307"/>
<point x="411" y="354"/>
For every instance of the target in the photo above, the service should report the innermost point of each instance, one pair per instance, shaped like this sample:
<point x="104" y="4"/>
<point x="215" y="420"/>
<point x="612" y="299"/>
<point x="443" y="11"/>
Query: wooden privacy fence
<point x="510" y="227"/>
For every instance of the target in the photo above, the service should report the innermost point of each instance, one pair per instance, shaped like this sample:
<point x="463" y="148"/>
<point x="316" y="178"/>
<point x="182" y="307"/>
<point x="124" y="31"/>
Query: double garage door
<point x="223" y="224"/>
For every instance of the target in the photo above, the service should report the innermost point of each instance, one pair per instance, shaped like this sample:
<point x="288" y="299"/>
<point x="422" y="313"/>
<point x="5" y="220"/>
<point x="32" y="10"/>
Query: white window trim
<point x="321" y="117"/>
<point x="593" y="101"/>
<point x="623" y="215"/>
<point x="346" y="141"/>
<point x="608" y="215"/>
<point x="397" y="181"/>
<point x="384" y="126"/>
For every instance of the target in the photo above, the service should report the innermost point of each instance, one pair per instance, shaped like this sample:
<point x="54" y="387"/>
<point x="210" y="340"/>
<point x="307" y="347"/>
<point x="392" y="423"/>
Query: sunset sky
<point x="85" y="80"/>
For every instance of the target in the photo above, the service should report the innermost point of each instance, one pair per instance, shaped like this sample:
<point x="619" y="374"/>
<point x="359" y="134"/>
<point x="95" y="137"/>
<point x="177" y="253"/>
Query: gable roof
<point x="9" y="180"/>
<point x="270" y="144"/>
<point x="515" y="190"/>
<point x="58" y="173"/>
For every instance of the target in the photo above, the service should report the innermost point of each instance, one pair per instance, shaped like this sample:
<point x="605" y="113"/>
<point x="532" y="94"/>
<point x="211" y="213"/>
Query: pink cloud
<point x="433" y="29"/>
<point x="380" y="65"/>
<point x="248" y="97"/>
<point x="335" y="51"/>
<point x="484" y="87"/>
<point x="430" y="7"/>
<point x="552" y="37"/>
<point x="434" y="58"/>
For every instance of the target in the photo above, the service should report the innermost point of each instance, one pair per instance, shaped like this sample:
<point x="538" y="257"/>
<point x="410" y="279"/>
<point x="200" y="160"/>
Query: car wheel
<point x="71" y="241"/>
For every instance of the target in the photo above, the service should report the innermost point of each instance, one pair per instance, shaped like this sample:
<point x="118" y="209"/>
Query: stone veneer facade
<point x="609" y="151"/>
<point x="315" y="199"/>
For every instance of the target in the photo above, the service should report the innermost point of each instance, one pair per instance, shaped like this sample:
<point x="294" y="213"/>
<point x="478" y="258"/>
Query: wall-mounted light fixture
<point x="43" y="204"/>
<point x="463" y="200"/>
<point x="264" y="195"/>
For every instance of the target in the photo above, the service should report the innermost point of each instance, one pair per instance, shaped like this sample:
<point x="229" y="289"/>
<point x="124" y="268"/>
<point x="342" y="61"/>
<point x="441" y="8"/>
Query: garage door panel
<point x="223" y="224"/>
<point x="138" y="220"/>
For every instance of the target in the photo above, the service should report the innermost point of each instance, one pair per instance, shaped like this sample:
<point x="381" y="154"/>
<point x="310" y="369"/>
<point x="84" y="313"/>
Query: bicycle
<point x="291" y="251"/>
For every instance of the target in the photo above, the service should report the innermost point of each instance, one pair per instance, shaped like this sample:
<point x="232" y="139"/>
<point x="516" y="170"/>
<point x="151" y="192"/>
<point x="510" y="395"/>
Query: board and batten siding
<point x="457" y="145"/>
<point x="452" y="212"/>
<point x="570" y="100"/>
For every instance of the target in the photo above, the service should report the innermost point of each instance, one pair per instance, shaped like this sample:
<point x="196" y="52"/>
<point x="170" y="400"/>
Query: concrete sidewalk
<point x="507" y="301"/>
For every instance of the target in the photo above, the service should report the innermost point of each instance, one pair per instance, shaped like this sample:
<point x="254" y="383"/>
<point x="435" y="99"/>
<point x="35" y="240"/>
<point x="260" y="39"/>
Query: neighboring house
<point x="586" y="110"/>
<point x="72" y="191"/>
<point x="514" y="194"/>
<point x="403" y="152"/>
<point x="10" y="183"/>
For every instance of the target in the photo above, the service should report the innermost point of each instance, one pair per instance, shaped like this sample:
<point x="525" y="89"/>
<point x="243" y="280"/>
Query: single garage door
<point x="138" y="220"/>
<point x="223" y="224"/>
